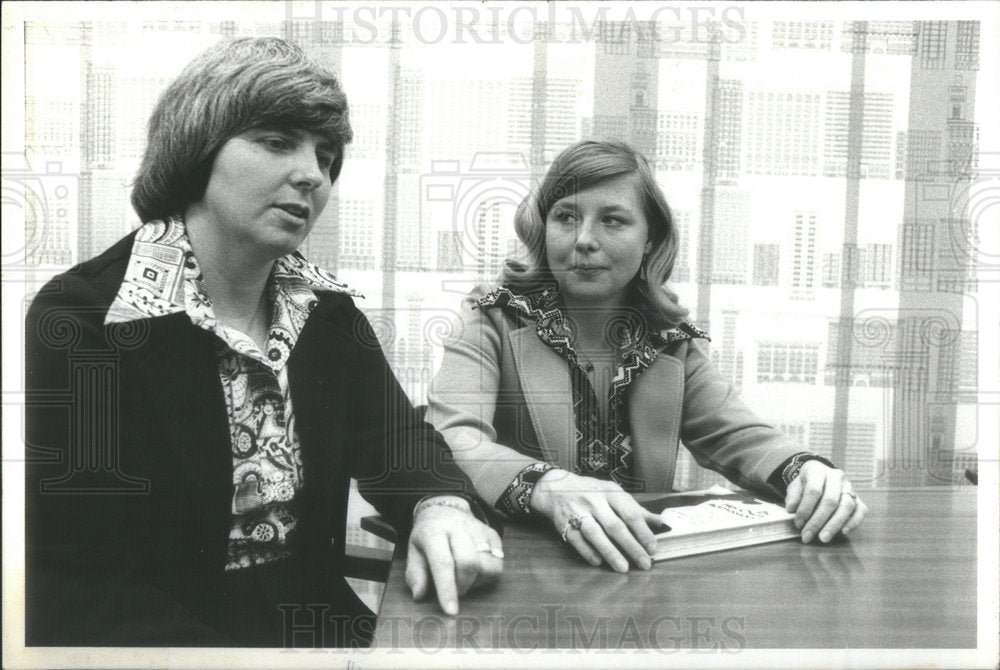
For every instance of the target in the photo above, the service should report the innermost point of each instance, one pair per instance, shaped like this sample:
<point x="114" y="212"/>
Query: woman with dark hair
<point x="570" y="384"/>
<point x="222" y="392"/>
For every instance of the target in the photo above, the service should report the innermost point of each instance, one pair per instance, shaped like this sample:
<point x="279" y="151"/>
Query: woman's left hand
<point x="451" y="551"/>
<point x="824" y="502"/>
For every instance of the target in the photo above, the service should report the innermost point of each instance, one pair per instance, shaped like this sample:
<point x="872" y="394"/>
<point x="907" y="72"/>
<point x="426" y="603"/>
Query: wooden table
<point x="905" y="579"/>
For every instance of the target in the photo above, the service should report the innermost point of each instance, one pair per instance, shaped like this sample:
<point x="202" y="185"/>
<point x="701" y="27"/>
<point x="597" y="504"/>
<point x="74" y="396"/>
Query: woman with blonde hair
<point x="571" y="383"/>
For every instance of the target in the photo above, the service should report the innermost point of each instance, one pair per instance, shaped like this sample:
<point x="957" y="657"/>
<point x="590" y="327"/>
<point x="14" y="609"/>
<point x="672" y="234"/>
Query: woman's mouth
<point x="295" y="209"/>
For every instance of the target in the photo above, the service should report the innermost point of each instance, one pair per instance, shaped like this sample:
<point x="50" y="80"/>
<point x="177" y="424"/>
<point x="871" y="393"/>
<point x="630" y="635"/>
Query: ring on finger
<point x="850" y="493"/>
<point x="574" y="522"/>
<point x="485" y="548"/>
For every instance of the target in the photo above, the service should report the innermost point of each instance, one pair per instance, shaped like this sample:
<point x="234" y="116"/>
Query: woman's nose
<point x="586" y="237"/>
<point x="307" y="171"/>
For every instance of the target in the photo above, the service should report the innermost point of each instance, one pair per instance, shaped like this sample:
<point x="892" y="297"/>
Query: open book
<point x="715" y="519"/>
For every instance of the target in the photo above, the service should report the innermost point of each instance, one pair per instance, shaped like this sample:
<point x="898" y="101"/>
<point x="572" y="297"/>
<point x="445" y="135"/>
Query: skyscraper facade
<point x="753" y="153"/>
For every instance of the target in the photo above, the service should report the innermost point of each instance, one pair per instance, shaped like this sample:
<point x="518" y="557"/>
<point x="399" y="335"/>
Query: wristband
<point x="446" y="501"/>
<point x="791" y="470"/>
<point x="516" y="498"/>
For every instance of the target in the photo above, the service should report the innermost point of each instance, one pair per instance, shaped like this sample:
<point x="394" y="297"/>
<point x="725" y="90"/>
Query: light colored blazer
<point x="503" y="400"/>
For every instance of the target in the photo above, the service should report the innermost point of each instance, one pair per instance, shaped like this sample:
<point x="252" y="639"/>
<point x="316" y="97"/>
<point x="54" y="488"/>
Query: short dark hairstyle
<point x="579" y="167"/>
<point x="232" y="87"/>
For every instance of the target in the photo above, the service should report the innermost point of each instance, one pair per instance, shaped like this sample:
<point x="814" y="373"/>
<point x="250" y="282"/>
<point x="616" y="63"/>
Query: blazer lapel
<point x="654" y="411"/>
<point x="548" y="394"/>
<point x="175" y="414"/>
<point x="184" y="388"/>
<point x="320" y="370"/>
<point x="317" y="374"/>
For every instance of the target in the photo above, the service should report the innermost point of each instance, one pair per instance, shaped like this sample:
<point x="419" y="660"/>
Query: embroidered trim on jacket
<point x="603" y="448"/>
<point x="516" y="498"/>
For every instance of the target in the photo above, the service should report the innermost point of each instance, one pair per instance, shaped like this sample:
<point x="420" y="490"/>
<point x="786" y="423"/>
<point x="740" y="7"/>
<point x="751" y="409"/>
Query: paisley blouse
<point x="163" y="277"/>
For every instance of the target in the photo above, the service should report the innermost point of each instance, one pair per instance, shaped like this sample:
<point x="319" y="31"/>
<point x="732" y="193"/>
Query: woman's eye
<point x="325" y="161"/>
<point x="277" y="143"/>
<point x="563" y="216"/>
<point x="613" y="221"/>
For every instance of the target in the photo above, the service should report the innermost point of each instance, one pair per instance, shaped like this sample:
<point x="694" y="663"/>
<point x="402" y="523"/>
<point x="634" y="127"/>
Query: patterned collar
<point x="543" y="307"/>
<point x="163" y="277"/>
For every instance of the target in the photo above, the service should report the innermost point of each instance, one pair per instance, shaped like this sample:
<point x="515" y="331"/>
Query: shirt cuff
<point x="789" y="470"/>
<point x="516" y="498"/>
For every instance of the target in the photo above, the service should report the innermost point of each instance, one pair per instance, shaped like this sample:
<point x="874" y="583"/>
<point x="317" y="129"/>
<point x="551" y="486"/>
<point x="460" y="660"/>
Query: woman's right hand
<point x="614" y="527"/>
